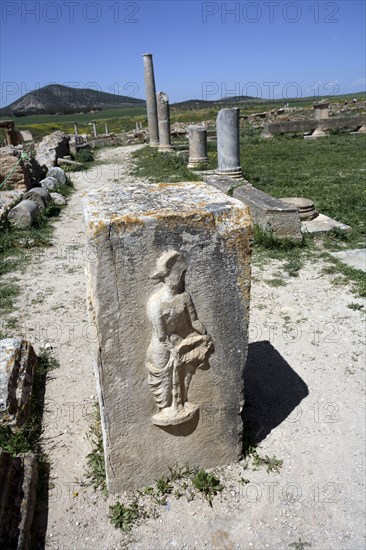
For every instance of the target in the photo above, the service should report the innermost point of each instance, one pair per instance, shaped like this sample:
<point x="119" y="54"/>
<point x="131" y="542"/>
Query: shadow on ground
<point x="272" y="390"/>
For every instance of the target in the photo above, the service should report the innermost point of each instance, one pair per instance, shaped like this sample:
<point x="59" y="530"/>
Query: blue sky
<point x="203" y="50"/>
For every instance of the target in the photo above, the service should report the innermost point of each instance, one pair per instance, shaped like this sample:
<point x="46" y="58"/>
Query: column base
<point x="197" y="163"/>
<point x="154" y="144"/>
<point x="235" y="174"/>
<point x="166" y="149"/>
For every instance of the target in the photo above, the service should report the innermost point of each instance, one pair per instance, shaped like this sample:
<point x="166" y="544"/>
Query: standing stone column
<point x="94" y="130"/>
<point x="228" y="143"/>
<point x="164" y="122"/>
<point x="168" y="290"/>
<point x="321" y="111"/>
<point x="197" y="136"/>
<point x="106" y="129"/>
<point x="152" y="113"/>
<point x="76" y="130"/>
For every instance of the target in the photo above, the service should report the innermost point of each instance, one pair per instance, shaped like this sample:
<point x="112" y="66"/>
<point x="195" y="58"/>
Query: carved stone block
<point x="168" y="290"/>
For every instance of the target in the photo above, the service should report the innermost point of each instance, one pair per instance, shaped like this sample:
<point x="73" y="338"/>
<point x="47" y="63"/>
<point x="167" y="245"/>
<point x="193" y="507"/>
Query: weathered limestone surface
<point x="40" y="196"/>
<point x="17" y="364"/>
<point x="272" y="215"/>
<point x="18" y="487"/>
<point x="58" y="199"/>
<point x="8" y="199"/>
<point x="50" y="183"/>
<point x="168" y="290"/>
<point x="51" y="148"/>
<point x="57" y="173"/>
<point x="23" y="214"/>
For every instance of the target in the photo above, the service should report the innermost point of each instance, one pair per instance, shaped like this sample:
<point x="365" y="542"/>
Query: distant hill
<point x="57" y="99"/>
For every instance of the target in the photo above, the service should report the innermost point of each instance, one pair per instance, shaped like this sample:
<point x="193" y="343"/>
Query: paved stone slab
<point x="168" y="290"/>
<point x="354" y="258"/>
<point x="323" y="223"/>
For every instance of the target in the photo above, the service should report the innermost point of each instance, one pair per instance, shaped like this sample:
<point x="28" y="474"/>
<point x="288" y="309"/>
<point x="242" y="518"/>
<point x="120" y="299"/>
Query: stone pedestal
<point x="164" y="122"/>
<point x="168" y="290"/>
<point x="152" y="113"/>
<point x="197" y="136"/>
<point x="321" y="111"/>
<point x="228" y="143"/>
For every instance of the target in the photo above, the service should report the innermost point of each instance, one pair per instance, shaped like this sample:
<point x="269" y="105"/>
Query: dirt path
<point x="305" y="392"/>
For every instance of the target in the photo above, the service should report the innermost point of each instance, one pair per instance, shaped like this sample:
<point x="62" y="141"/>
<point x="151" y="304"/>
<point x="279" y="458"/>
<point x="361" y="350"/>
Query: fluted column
<point x="152" y="115"/>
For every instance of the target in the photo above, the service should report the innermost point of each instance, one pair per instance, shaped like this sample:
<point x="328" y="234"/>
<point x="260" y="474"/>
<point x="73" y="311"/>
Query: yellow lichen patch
<point x="96" y="227"/>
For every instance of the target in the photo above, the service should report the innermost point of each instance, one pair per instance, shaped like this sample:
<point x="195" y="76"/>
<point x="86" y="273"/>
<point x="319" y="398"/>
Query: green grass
<point x="330" y="171"/>
<point x="124" y="517"/>
<point x="95" y="459"/>
<point x="208" y="484"/>
<point x="160" y="167"/>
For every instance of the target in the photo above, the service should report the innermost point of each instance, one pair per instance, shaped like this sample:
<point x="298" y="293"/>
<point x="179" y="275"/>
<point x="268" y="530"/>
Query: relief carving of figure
<point x="179" y="342"/>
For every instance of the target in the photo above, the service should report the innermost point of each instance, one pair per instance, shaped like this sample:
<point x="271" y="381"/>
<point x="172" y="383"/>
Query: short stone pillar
<point x="94" y="129"/>
<point x="228" y="143"/>
<point x="321" y="111"/>
<point x="152" y="112"/>
<point x="168" y="290"/>
<point x="165" y="143"/>
<point x="106" y="129"/>
<point x="76" y="129"/>
<point x="197" y="136"/>
<point x="136" y="126"/>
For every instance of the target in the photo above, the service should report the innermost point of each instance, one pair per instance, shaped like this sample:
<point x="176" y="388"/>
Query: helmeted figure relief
<point x="179" y="342"/>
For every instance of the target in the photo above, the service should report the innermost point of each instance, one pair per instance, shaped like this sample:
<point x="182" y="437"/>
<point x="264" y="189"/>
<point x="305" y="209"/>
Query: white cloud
<point x="358" y="82"/>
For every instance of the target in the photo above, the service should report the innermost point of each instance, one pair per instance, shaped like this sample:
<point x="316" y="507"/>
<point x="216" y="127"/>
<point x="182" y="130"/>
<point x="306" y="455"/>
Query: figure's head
<point x="170" y="268"/>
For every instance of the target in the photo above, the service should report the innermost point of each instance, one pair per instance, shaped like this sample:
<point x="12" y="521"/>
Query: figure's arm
<point x="155" y="315"/>
<point x="196" y="323"/>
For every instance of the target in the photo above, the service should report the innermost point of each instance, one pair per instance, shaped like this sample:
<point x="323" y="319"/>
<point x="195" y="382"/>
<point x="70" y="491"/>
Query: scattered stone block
<point x="50" y="183"/>
<point x="58" y="199"/>
<point x="322" y="224"/>
<point x="17" y="365"/>
<point x="23" y="214"/>
<point x="8" y="199"/>
<point x="39" y="195"/>
<point x="270" y="214"/>
<point x="51" y="148"/>
<point x="26" y="135"/>
<point x="353" y="258"/>
<point x="168" y="290"/>
<point x="223" y="183"/>
<point x="58" y="173"/>
<point x="18" y="486"/>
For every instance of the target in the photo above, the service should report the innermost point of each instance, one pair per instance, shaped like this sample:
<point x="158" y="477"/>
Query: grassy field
<point x="331" y="171"/>
<point x="123" y="119"/>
